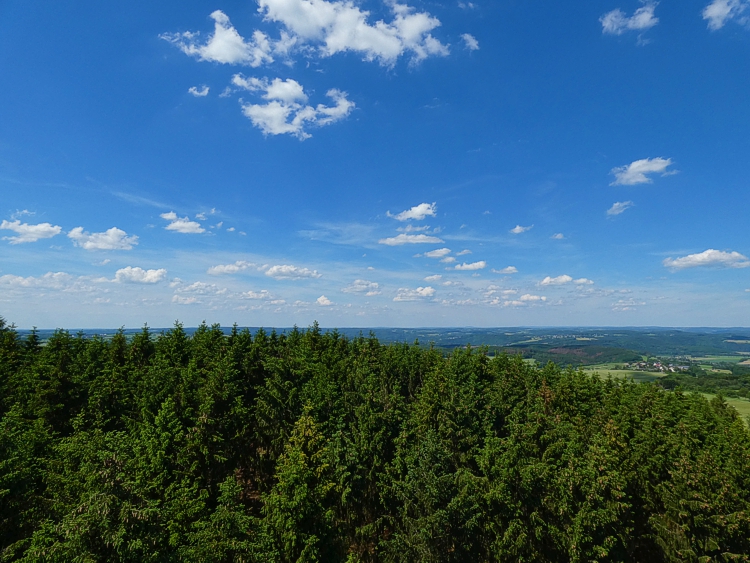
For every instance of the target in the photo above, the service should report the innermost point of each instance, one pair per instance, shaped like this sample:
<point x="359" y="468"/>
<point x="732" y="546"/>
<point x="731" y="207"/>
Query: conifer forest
<point x="312" y="446"/>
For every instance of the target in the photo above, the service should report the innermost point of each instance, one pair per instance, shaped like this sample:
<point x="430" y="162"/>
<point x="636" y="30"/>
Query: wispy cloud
<point x="201" y="92"/>
<point x="470" y="42"/>
<point x="518" y="229"/>
<point x="719" y="12"/>
<point x="619" y="207"/>
<point x="617" y="22"/>
<point x="409" y="239"/>
<point x="708" y="258"/>
<point x="506" y="271"/>
<point x="638" y="171"/>
<point x="472" y="266"/>
<point x="238" y="266"/>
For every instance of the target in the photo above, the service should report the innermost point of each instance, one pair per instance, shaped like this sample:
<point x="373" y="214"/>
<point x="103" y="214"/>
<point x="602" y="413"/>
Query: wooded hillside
<point x="313" y="447"/>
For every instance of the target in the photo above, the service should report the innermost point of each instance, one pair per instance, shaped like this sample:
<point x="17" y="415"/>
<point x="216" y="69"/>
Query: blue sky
<point x="374" y="163"/>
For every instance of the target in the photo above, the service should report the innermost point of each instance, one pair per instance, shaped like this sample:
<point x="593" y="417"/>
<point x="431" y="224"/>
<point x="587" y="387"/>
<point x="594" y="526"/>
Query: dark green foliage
<point x="309" y="446"/>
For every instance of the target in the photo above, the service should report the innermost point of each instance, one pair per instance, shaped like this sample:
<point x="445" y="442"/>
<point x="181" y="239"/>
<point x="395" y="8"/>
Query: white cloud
<point x="708" y="258"/>
<point x="436" y="277"/>
<point x="225" y="45"/>
<point x="558" y="236"/>
<point x="181" y="300"/>
<point x="281" y="116"/>
<point x="363" y="286"/>
<point x="506" y="271"/>
<point x="409" y="239"/>
<point x="470" y="42"/>
<point x="288" y="91"/>
<point x="559" y="280"/>
<point x="288" y="272"/>
<point x="617" y="23"/>
<point x="583" y="281"/>
<point x="341" y="26"/>
<point x="202" y="93"/>
<point x="413" y="229"/>
<point x="111" y="239"/>
<point x="719" y="12"/>
<point x="463" y="253"/>
<point x="405" y="294"/>
<point x="182" y="225"/>
<point x="418" y="212"/>
<point x="139" y="275"/>
<point x="518" y="229"/>
<point x="238" y="266"/>
<point x="29" y="233"/>
<point x="438" y="253"/>
<point x="323" y="301"/>
<point x="637" y="171"/>
<point x="473" y="266"/>
<point x="448" y="260"/>
<point x="532" y="298"/>
<point x="262" y="294"/>
<point x="619" y="207"/>
<point x="201" y="288"/>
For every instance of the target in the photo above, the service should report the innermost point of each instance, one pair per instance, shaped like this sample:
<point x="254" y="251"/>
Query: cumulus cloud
<point x="638" y="171"/>
<point x="406" y="294"/>
<point x="139" y="275"/>
<point x="182" y="224"/>
<point x="708" y="258"/>
<point x="409" y="239"/>
<point x="533" y="298"/>
<point x="619" y="207"/>
<point x="199" y="93"/>
<point x="506" y="271"/>
<point x="559" y="280"/>
<point x="111" y="239"/>
<point x="436" y="277"/>
<point x="289" y="272"/>
<point x="418" y="212"/>
<point x="238" y="266"/>
<point x="341" y="26"/>
<point x="558" y="236"/>
<point x="438" y="253"/>
<point x="518" y="229"/>
<point x="323" y="301"/>
<point x="583" y="281"/>
<point x="286" y="111"/>
<point x="363" y="286"/>
<point x="29" y="233"/>
<point x="225" y="45"/>
<point x="719" y="12"/>
<point x="448" y="260"/>
<point x="470" y="42"/>
<point x="472" y="266"/>
<point x="617" y="23"/>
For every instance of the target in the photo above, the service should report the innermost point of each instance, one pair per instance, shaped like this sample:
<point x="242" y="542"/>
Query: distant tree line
<point x="308" y="446"/>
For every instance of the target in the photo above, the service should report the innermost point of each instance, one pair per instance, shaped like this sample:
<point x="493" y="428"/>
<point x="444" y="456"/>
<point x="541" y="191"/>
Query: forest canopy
<point x="310" y="446"/>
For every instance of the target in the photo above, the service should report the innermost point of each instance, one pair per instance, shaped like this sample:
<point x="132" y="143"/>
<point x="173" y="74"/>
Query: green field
<point x="606" y="370"/>
<point x="712" y="359"/>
